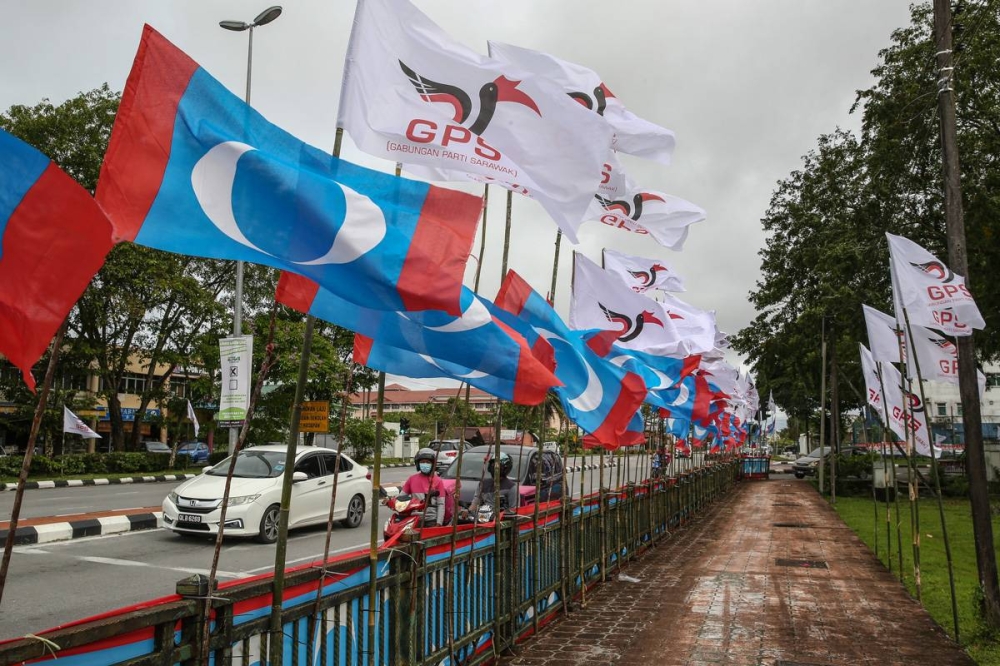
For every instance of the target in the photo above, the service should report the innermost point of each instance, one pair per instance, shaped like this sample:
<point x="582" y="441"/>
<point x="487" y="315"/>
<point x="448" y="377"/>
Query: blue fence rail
<point x="434" y="604"/>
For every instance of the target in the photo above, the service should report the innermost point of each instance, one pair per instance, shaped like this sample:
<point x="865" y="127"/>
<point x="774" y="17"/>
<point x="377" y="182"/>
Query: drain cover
<point x="804" y="564"/>
<point x="791" y="524"/>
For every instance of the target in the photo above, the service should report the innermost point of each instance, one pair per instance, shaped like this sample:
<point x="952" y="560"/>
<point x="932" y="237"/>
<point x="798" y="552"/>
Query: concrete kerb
<point x="85" y="527"/>
<point x="75" y="483"/>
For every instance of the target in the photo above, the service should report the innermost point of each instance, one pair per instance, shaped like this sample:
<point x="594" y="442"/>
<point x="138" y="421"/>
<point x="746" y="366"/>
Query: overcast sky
<point x="746" y="85"/>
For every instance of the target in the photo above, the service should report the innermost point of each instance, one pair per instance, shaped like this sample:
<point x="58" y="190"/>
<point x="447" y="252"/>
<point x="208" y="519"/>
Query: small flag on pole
<point x="194" y="420"/>
<point x="74" y="424"/>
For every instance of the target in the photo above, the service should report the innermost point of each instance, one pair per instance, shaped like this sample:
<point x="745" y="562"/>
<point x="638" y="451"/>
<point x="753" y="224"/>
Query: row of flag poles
<point x="927" y="296"/>
<point x="192" y="169"/>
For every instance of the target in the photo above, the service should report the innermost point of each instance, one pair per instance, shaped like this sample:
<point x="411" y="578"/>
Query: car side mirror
<point x="204" y="470"/>
<point x="299" y="476"/>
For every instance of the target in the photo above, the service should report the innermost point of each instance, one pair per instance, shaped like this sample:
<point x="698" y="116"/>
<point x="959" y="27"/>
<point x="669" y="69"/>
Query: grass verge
<point x="860" y="516"/>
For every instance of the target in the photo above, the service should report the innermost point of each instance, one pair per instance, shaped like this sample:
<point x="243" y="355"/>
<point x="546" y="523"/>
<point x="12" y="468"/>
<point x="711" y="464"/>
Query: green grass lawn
<point x="859" y="514"/>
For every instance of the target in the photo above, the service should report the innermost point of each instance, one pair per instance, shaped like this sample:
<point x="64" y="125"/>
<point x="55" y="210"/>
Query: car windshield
<point x="473" y="468"/>
<point x="188" y="447"/>
<point x="157" y="447"/>
<point x="253" y="465"/>
<point x="815" y="453"/>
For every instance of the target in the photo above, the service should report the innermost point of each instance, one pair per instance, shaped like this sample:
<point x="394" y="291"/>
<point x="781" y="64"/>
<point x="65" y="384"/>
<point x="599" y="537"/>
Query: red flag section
<point x="55" y="239"/>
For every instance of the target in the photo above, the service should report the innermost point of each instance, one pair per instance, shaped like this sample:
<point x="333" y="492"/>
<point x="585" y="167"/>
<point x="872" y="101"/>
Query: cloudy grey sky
<point x="746" y="85"/>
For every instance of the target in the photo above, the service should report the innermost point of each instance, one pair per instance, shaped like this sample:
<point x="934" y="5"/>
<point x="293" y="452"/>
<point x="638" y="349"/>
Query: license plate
<point x="188" y="518"/>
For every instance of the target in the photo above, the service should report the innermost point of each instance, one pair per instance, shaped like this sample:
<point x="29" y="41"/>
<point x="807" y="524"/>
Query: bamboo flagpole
<point x="457" y="493"/>
<point x="936" y="473"/>
<point x="316" y="618"/>
<point x="911" y="480"/>
<point x="895" y="487"/>
<point x="22" y="479"/>
<point x="373" y="542"/>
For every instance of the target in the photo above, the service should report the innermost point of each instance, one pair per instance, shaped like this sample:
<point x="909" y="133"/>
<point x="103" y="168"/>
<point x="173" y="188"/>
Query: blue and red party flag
<point x="193" y="169"/>
<point x="53" y="240"/>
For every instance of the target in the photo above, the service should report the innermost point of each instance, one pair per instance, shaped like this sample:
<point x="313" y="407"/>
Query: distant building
<point x="944" y="408"/>
<point x="399" y="398"/>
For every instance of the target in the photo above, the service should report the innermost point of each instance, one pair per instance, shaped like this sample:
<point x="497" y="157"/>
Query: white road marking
<point x="34" y="551"/>
<point x="132" y="563"/>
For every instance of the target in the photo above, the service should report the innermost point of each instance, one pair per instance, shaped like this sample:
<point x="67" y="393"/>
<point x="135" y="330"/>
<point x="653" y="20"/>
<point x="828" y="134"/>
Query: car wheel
<point x="800" y="475"/>
<point x="268" y="532"/>
<point x="355" y="512"/>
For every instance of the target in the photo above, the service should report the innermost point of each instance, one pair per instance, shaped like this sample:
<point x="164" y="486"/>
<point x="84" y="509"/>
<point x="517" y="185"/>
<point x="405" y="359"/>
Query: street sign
<point x="315" y="416"/>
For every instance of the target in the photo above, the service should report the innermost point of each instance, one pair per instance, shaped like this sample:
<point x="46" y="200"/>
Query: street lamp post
<point x="263" y="18"/>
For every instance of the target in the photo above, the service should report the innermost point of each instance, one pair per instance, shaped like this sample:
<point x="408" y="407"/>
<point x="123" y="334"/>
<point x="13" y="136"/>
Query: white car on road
<point x="194" y="507"/>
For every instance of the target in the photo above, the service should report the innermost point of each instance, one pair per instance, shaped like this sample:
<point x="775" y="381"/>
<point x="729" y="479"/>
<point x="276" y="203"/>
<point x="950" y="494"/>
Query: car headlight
<point x="814" y="464"/>
<point x="243" y="499"/>
<point x="172" y="496"/>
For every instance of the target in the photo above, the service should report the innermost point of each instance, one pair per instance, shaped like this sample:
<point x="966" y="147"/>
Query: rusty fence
<point x="434" y="605"/>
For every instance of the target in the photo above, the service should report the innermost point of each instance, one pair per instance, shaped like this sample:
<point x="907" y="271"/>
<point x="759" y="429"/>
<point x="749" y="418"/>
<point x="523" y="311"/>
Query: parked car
<point x="447" y="451"/>
<point x="153" y="446"/>
<point x="525" y="459"/>
<point x="197" y="452"/>
<point x="194" y="507"/>
<point x="808" y="464"/>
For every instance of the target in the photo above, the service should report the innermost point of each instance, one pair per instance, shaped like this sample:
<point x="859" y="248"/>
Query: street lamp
<point x="263" y="18"/>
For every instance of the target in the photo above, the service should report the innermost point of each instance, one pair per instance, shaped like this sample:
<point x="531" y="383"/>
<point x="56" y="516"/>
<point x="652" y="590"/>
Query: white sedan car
<point x="194" y="507"/>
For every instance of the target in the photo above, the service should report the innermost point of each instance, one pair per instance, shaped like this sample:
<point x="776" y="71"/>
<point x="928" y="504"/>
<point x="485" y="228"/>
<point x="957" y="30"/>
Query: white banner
<point x="873" y="388"/>
<point x="622" y="204"/>
<point x="74" y="424"/>
<point x="633" y="135"/>
<point x="932" y="294"/>
<point x="237" y="355"/>
<point x="193" y="418"/>
<point x="883" y="336"/>
<point x="696" y="327"/>
<point x="642" y="274"/>
<point x="906" y="410"/>
<point x="412" y="94"/>
<point x="602" y="301"/>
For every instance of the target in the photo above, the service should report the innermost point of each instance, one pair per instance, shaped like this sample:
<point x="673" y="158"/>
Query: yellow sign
<point x="315" y="416"/>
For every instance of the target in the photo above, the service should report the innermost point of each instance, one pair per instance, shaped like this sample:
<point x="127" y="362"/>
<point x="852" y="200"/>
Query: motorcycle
<point x="407" y="514"/>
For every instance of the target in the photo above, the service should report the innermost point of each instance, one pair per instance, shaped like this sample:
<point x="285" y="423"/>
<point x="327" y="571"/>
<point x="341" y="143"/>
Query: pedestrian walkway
<point x="767" y="575"/>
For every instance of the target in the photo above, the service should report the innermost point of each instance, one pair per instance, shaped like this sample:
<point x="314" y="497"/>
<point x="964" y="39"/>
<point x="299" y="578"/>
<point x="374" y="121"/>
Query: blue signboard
<point x="128" y="414"/>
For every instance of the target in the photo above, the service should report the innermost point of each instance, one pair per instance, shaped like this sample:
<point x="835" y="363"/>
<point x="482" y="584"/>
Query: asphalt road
<point x="56" y="583"/>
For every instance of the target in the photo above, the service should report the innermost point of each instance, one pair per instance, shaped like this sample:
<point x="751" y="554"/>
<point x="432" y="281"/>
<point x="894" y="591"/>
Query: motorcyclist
<point x="426" y="482"/>
<point x="487" y="494"/>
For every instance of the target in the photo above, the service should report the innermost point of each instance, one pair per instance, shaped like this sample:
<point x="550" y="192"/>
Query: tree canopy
<point x="826" y="252"/>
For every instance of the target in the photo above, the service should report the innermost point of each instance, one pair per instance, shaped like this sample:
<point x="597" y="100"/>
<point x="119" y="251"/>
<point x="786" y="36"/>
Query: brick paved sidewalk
<point x="718" y="592"/>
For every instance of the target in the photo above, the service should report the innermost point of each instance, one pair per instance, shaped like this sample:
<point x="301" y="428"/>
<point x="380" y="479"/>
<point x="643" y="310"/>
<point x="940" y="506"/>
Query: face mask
<point x="425" y="468"/>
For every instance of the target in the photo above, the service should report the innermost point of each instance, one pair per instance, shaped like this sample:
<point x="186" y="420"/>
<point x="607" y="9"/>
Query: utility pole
<point x="834" y="417"/>
<point x="958" y="261"/>
<point x="822" y="407"/>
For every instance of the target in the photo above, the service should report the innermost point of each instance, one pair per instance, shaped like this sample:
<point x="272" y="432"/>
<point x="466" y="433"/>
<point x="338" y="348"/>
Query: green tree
<point x="144" y="306"/>
<point x="360" y="438"/>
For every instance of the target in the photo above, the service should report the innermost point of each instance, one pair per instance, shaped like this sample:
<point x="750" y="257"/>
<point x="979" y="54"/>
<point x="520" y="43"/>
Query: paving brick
<point x="712" y="593"/>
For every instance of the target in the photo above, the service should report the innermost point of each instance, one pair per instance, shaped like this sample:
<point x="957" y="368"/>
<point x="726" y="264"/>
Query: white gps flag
<point x="194" y="419"/>
<point x="932" y="294"/>
<point x="413" y="94"/>
<point x="74" y="424"/>
<point x="642" y="274"/>
<point x="633" y="135"/>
